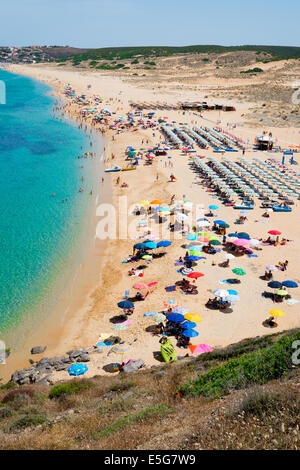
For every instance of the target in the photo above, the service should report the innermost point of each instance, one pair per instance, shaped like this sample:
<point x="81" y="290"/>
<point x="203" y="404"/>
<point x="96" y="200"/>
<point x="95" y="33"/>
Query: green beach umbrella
<point x="239" y="271"/>
<point x="281" y="292"/>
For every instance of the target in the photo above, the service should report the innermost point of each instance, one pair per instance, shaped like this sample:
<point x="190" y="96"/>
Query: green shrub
<point x="70" y="388"/>
<point x="255" y="70"/>
<point x="254" y="368"/>
<point x="28" y="420"/>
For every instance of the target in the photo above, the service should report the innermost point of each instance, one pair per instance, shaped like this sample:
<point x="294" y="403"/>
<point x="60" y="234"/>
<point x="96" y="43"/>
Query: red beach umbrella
<point x="274" y="232"/>
<point x="195" y="275"/>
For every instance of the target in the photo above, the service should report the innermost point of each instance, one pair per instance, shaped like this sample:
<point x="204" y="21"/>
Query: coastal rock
<point x="38" y="349"/>
<point x="83" y="358"/>
<point x="45" y="379"/>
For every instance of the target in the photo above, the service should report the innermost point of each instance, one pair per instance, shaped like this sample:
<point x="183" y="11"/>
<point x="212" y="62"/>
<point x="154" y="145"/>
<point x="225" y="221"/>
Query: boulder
<point x="38" y="349"/>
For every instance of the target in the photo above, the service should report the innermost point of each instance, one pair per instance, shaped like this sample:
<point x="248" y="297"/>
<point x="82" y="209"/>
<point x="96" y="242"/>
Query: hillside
<point x="245" y="396"/>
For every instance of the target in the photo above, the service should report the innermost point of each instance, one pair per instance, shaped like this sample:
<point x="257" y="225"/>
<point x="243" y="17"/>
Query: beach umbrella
<point x="213" y="237"/>
<point x="140" y="286"/>
<point x="199" y="348"/>
<point x="175" y="317"/>
<point x="181" y="310"/>
<point x="213" y="207"/>
<point x="274" y="232"/>
<point x="181" y="217"/>
<point x="232" y="292"/>
<point x="164" y="243"/>
<point x="156" y="201"/>
<point x="159" y="317"/>
<point x="243" y="235"/>
<point x="186" y="271"/>
<point x="276" y="313"/>
<point x="146" y="257"/>
<point x="77" y="369"/>
<point x="290" y="284"/>
<point x="193" y="317"/>
<point x="203" y="223"/>
<point x="221" y="293"/>
<point x="193" y="258"/>
<point x="271" y="267"/>
<point x="241" y="242"/>
<point x="233" y="298"/>
<point x="120" y="327"/>
<point x="281" y="292"/>
<point x="126" y="304"/>
<point x="215" y="242"/>
<point x="219" y="222"/>
<point x="203" y="239"/>
<point x="191" y="237"/>
<point x="140" y="246"/>
<point x="254" y="242"/>
<point x="195" y="275"/>
<point x="144" y="203"/>
<point x="239" y="271"/>
<point x="229" y="256"/>
<point x="187" y="325"/>
<point x="274" y="284"/>
<point x="120" y="348"/>
<point x="150" y="245"/>
<point x="190" y="333"/>
<point x="224" y="226"/>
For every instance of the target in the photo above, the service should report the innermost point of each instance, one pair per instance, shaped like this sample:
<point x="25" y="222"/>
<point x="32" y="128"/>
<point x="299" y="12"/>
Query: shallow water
<point x="38" y="231"/>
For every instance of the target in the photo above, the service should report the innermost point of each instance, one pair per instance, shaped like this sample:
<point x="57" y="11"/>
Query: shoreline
<point x="94" y="315"/>
<point x="64" y="311"/>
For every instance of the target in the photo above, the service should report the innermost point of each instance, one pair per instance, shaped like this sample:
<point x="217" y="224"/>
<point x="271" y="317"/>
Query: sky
<point x="108" y="23"/>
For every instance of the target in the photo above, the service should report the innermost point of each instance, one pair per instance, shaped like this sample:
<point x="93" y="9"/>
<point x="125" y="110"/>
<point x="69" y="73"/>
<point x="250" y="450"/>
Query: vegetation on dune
<point x="167" y="406"/>
<point x="255" y="70"/>
<point x="124" y="53"/>
<point x="256" y="367"/>
<point x="69" y="388"/>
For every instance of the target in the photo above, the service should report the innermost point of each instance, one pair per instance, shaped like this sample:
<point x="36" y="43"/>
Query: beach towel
<point x="292" y="301"/>
<point x="150" y="314"/>
<point x="252" y="256"/>
<point x="170" y="288"/>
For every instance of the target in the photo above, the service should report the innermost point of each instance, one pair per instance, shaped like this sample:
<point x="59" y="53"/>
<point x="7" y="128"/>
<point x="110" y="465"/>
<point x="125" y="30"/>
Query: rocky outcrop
<point x="41" y="371"/>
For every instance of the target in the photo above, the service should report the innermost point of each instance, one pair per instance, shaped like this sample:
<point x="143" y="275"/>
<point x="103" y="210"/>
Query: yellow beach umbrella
<point x="213" y="237"/>
<point x="144" y="203"/>
<point x="193" y="317"/>
<point x="276" y="313"/>
<point x="281" y="292"/>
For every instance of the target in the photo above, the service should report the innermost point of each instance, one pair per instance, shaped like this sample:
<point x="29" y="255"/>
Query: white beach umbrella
<point x="221" y="293"/>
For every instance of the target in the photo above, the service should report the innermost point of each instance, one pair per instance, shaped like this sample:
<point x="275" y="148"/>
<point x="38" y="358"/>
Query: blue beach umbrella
<point x="219" y="222"/>
<point x="126" y="304"/>
<point x="164" y="243"/>
<point x="232" y="292"/>
<point x="77" y="369"/>
<point x="188" y="325"/>
<point x="191" y="237"/>
<point x="175" y="317"/>
<point x="193" y="258"/>
<point x="275" y="284"/>
<point x="190" y="333"/>
<point x="233" y="298"/>
<point x="140" y="246"/>
<point x="291" y="284"/>
<point x="150" y="245"/>
<point x="213" y="207"/>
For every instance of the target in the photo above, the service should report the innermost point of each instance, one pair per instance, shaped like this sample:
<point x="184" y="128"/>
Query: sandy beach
<point x="92" y="301"/>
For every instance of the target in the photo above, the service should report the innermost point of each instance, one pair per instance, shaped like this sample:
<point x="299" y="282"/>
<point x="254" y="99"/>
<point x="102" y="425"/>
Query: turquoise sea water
<point x="38" y="157"/>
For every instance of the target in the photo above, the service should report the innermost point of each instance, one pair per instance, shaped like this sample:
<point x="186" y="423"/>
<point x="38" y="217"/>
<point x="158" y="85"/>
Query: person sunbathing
<point x="132" y="272"/>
